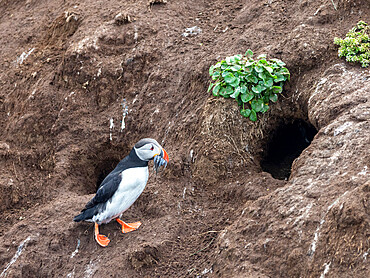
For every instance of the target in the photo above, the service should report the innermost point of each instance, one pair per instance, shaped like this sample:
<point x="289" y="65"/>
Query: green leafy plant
<point x="253" y="83"/>
<point x="356" y="45"/>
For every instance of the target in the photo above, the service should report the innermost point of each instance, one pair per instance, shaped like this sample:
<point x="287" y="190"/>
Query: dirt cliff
<point x="81" y="82"/>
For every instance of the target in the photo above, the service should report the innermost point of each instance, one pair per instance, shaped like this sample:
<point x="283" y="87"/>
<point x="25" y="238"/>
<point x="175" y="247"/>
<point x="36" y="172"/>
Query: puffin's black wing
<point x="98" y="203"/>
<point x="105" y="191"/>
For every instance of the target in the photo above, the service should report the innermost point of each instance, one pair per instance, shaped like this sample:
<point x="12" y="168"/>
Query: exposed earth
<point x="82" y="81"/>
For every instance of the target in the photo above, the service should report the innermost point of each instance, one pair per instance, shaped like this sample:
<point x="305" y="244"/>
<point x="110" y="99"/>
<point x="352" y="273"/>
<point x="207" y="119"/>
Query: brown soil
<point x="70" y="67"/>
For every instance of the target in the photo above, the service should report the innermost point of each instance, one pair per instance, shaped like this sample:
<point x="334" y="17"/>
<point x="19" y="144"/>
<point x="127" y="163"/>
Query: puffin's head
<point x="147" y="149"/>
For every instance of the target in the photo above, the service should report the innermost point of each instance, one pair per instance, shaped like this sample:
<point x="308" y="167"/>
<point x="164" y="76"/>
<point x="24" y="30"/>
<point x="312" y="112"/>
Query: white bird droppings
<point x="24" y="56"/>
<point x="342" y="128"/>
<point x="317" y="232"/>
<point x="124" y="114"/>
<point x="16" y="256"/>
<point x="111" y="126"/>
<point x="364" y="171"/>
<point x="76" y="250"/>
<point x="90" y="270"/>
<point x="192" y="31"/>
<point x="326" y="270"/>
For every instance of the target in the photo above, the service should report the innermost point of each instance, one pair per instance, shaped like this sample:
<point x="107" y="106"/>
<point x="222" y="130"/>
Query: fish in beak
<point x="161" y="160"/>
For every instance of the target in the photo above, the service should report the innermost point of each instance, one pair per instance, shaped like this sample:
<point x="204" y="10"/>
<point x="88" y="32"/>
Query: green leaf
<point x="223" y="93"/>
<point x="238" y="57"/>
<point x="251" y="78"/>
<point x="218" y="65"/>
<point x="278" y="62"/>
<point x="211" y="70"/>
<point x="257" y="105"/>
<point x="210" y="87"/>
<point x="236" y="93"/>
<point x="273" y="97"/>
<point x="258" y="69"/>
<point x="247" y="96"/>
<point x="266" y="97"/>
<point x="229" y="90"/>
<point x="229" y="77"/>
<point x="264" y="76"/>
<point x="257" y="89"/>
<point x="224" y="66"/>
<point x="262" y="56"/>
<point x="277" y="89"/>
<point x="285" y="71"/>
<point x="262" y="62"/>
<point x="280" y="77"/>
<point x="243" y="89"/>
<point x="268" y="68"/>
<point x="249" y="53"/>
<point x="235" y="68"/>
<point x="216" y="90"/>
<point x="230" y="60"/>
<point x="216" y="75"/>
<point x="269" y="83"/>
<point x="265" y="108"/>
<point x="253" y="116"/>
<point x="245" y="112"/>
<point x="235" y="83"/>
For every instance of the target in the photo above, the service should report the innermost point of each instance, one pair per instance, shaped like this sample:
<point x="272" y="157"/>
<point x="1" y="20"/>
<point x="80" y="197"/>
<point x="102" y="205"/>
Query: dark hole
<point x="286" y="144"/>
<point x="103" y="169"/>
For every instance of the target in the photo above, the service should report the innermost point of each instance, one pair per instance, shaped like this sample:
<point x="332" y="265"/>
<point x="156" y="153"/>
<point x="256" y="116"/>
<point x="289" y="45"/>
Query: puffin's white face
<point x="147" y="149"/>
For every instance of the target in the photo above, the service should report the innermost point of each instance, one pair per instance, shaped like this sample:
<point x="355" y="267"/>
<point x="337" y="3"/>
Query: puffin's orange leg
<point x="128" y="227"/>
<point x="102" y="240"/>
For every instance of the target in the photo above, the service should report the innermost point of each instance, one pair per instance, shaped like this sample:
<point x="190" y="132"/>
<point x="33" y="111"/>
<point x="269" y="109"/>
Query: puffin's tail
<point x="85" y="214"/>
<point x="79" y="217"/>
<point x="88" y="213"/>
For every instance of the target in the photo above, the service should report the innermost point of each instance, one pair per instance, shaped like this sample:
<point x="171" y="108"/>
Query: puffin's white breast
<point x="131" y="186"/>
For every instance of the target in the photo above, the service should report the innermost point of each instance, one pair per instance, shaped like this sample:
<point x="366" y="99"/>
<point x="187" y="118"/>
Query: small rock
<point x="4" y="146"/>
<point x="122" y="18"/>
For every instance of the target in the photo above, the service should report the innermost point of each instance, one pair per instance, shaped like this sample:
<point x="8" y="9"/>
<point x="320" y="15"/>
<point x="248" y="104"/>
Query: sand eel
<point x="120" y="189"/>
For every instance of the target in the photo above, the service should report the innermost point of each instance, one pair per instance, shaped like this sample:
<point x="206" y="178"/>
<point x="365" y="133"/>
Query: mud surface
<point x="69" y="70"/>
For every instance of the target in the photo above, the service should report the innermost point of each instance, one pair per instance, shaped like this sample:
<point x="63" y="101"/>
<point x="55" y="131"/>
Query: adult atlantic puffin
<point x="120" y="189"/>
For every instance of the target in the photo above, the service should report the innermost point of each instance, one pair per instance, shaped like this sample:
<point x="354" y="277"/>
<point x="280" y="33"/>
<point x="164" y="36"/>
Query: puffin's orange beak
<point x="165" y="155"/>
<point x="161" y="160"/>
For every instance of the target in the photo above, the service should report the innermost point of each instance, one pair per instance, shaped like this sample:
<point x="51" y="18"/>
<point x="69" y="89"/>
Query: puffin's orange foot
<point x="128" y="227"/>
<point x="102" y="240"/>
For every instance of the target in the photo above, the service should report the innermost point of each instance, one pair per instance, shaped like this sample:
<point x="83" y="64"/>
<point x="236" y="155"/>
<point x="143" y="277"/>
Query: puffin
<point x="120" y="189"/>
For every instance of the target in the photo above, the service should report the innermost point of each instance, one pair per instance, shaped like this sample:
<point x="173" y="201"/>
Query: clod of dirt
<point x="4" y="148"/>
<point x="144" y="257"/>
<point x="63" y="27"/>
<point x="122" y="18"/>
<point x="152" y="2"/>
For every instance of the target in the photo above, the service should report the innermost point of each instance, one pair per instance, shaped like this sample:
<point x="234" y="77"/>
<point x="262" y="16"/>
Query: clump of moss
<point x="356" y="45"/>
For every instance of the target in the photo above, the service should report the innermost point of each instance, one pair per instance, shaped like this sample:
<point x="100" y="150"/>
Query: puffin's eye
<point x="152" y="148"/>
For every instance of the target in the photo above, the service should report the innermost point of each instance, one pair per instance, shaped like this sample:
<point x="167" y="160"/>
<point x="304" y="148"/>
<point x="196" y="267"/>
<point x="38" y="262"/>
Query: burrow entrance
<point x="91" y="166"/>
<point x="103" y="169"/>
<point x="286" y="144"/>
